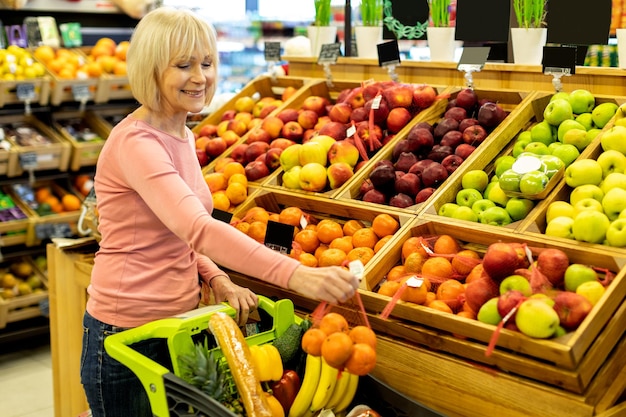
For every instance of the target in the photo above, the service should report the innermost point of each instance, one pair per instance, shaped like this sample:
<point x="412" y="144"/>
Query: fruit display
<point x="228" y="185"/>
<point x="9" y="211"/>
<point x="420" y="162"/>
<point x="47" y="199"/>
<point x="18" y="64"/>
<point x="22" y="288"/>
<point x="85" y="132"/>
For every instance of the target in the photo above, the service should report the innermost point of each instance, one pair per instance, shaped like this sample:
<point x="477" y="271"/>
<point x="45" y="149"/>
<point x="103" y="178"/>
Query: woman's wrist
<point x="210" y="280"/>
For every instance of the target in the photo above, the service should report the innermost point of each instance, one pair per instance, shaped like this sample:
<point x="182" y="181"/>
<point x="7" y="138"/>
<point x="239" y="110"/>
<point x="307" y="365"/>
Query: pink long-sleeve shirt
<point x="157" y="232"/>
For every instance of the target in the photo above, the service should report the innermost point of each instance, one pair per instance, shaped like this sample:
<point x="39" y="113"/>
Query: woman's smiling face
<point x="186" y="82"/>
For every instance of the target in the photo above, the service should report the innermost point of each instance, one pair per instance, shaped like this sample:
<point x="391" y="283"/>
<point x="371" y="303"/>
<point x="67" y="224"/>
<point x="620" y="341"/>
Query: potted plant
<point x="321" y="32"/>
<point x="370" y="32"/>
<point x="440" y="34"/>
<point x="529" y="38"/>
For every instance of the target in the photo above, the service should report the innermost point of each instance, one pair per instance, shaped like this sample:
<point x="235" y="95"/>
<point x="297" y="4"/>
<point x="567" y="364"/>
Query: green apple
<point x="602" y="113"/>
<point x="576" y="274"/>
<point x="586" y="191"/>
<point x="533" y="182"/>
<point x="583" y="171"/>
<point x="476" y="179"/>
<point x="614" y="138"/>
<point x="591" y="290"/>
<point x="289" y="157"/>
<point x="613" y="180"/>
<point x="551" y="164"/>
<point x="467" y="196"/>
<point x="590" y="226"/>
<point x="516" y="282"/>
<point x="291" y="178"/>
<point x="312" y="152"/>
<point x="614" y="202"/>
<point x="560" y="94"/>
<point x="465" y="213"/>
<point x="543" y="132"/>
<point x="559" y="208"/>
<point x="520" y="144"/>
<point x="543" y="297"/>
<point x="582" y="101"/>
<point x="313" y="176"/>
<point x="586" y="120"/>
<point x="495" y="216"/>
<point x="536" y="319"/>
<point x="611" y="161"/>
<point x="566" y="153"/>
<point x="488" y="312"/>
<point x="616" y="233"/>
<point x="509" y="180"/>
<point x="447" y="209"/>
<point x="496" y="194"/>
<point x="561" y="226"/>
<point x="503" y="163"/>
<point x="567" y="125"/>
<point x="592" y="133"/>
<point x="577" y="137"/>
<point x="537" y="148"/>
<point x="325" y="140"/>
<point x="587" y="204"/>
<point x="557" y="111"/>
<point x="518" y="208"/>
<point x="482" y="205"/>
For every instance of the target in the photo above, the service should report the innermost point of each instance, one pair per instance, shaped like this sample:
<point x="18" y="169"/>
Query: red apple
<point x="458" y="113"/>
<point x="281" y="143"/>
<point x="237" y="126"/>
<point x="434" y="175"/>
<point x="307" y="119"/>
<point x="256" y="170"/>
<point x="203" y="158"/>
<point x="321" y="121"/>
<point x="288" y="115"/>
<point x="399" y="95"/>
<point x="355" y="98"/>
<point x="490" y="114"/>
<point x="401" y="200"/>
<point x="408" y="184"/>
<point x="553" y="262"/>
<point x="371" y="90"/>
<point x="405" y="161"/>
<point x="467" y="122"/>
<point x="423" y="96"/>
<point x="208" y="130"/>
<point x="398" y="118"/>
<point x="272" y="125"/>
<point x="365" y="186"/>
<point x="451" y="163"/>
<point x="215" y="146"/>
<point x="272" y="158"/>
<point x="292" y="131"/>
<point x="500" y="260"/>
<point x="335" y="130"/>
<point x="340" y="112"/>
<point x="464" y="150"/>
<point x="238" y="153"/>
<point x="474" y="135"/>
<point x="267" y="110"/>
<point x="364" y="132"/>
<point x="444" y="126"/>
<point x="572" y="309"/>
<point x="258" y="134"/>
<point x="343" y="151"/>
<point x="466" y="98"/>
<point x="479" y="291"/>
<point x="380" y="108"/>
<point x="316" y="103"/>
<point x="228" y="114"/>
<point x="424" y="194"/>
<point x="419" y="138"/>
<point x="338" y="174"/>
<point x="452" y="139"/>
<point x="439" y="152"/>
<point x="255" y="149"/>
<point x="375" y="196"/>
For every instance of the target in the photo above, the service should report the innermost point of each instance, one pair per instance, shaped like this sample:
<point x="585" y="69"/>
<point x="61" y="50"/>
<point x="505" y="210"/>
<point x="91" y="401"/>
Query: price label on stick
<point x="222" y="215"/>
<point x="272" y="51"/>
<point x="28" y="160"/>
<point x="559" y="59"/>
<point x="279" y="236"/>
<point x="388" y="53"/>
<point x="329" y="53"/>
<point x="473" y="58"/>
<point x="80" y="92"/>
<point x="25" y="91"/>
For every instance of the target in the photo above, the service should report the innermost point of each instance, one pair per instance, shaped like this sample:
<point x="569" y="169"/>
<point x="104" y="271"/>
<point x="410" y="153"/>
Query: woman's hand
<point x="240" y="298"/>
<point x="332" y="284"/>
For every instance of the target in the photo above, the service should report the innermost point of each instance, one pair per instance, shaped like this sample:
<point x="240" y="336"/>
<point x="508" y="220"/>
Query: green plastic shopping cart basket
<point x="170" y="395"/>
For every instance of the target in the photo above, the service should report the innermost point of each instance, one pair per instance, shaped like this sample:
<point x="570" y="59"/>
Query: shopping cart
<point x="170" y="395"/>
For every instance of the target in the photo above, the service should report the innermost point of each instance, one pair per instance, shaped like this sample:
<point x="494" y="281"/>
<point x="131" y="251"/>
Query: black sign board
<point x="272" y="51"/>
<point x="473" y="25"/>
<point x="279" y="236"/>
<point x="388" y="53"/>
<point x="405" y="19"/>
<point x="474" y="56"/>
<point x="25" y="91"/>
<point x="222" y="215"/>
<point x="579" y="22"/>
<point x="329" y="53"/>
<point x="557" y="58"/>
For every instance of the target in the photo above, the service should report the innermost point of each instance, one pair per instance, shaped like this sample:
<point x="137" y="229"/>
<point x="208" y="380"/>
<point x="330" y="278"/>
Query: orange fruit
<point x="475" y="273"/>
<point x="364" y="237"/>
<point x="308" y="259"/>
<point x="384" y="225"/>
<point x="467" y="314"/>
<point x="464" y="261"/>
<point x="362" y="254"/>
<point x="396" y="273"/>
<point x="307" y="239"/>
<point x="437" y="267"/>
<point x="257" y="231"/>
<point x="42" y="193"/>
<point x="414" y="244"/>
<point x="67" y="73"/>
<point x="320" y="249"/>
<point x="106" y="44"/>
<point x="389" y="288"/>
<point x="332" y="323"/>
<point x="71" y="202"/>
<point x="336" y="349"/>
<point x="257" y="213"/>
<point x="220" y="163"/>
<point x="119" y="68"/>
<point x="363" y="334"/>
<point x="291" y="215"/>
<point x="231" y="168"/>
<point x="220" y="201"/>
<point x="121" y="49"/>
<point x="352" y="226"/>
<point x="362" y="359"/>
<point x="216" y="181"/>
<point x="330" y="257"/>
<point x="446" y="245"/>
<point x="44" y="53"/>
<point x="440" y="305"/>
<point x="312" y="341"/>
<point x="450" y="290"/>
<point x="236" y="192"/>
<point x="414" y="262"/>
<point x="239" y="178"/>
<point x="415" y="294"/>
<point x="430" y="297"/>
<point x="344" y="243"/>
<point x="328" y="230"/>
<point x="243" y="227"/>
<point x="379" y="245"/>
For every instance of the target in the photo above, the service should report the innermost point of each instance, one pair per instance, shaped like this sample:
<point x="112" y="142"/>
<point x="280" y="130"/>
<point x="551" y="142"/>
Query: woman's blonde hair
<point x="164" y="35"/>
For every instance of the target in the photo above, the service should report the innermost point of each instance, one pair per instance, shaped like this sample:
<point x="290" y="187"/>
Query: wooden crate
<point x="22" y="307"/>
<point x="83" y="153"/>
<point x="518" y="104"/>
<point x="113" y="87"/>
<point x="41" y="89"/>
<point x="53" y="155"/>
<point x="111" y="115"/>
<point x="8" y="160"/>
<point x="15" y="232"/>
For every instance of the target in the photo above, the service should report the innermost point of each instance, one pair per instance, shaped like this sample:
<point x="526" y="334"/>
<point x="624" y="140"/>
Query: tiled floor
<point x="26" y="380"/>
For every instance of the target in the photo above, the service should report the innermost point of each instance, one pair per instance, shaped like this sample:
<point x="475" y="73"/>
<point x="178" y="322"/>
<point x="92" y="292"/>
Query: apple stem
<point x="496" y="334"/>
<point x="392" y="303"/>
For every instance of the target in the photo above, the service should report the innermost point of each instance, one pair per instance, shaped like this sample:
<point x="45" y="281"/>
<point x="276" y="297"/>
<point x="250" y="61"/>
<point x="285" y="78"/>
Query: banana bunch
<point x="323" y="388"/>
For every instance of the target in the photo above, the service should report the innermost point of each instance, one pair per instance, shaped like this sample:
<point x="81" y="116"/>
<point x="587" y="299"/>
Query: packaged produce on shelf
<point x="22" y="287"/>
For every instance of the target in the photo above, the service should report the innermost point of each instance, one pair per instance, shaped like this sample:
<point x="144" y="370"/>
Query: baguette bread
<point x="237" y="353"/>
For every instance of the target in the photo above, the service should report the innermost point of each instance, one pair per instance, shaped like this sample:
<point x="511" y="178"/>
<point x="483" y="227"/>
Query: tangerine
<point x="364" y="237"/>
<point x="352" y="226"/>
<point x="236" y="192"/>
<point x="328" y="230"/>
<point x="384" y="225"/>
<point x="312" y="341"/>
<point x="363" y="334"/>
<point x="231" y="168"/>
<point x="216" y="181"/>
<point x="320" y="249"/>
<point x="239" y="178"/>
<point x="389" y="288"/>
<point x="477" y="272"/>
<point x="362" y="359"/>
<point x="333" y="322"/>
<point x="446" y="245"/>
<point x="450" y="290"/>
<point x="467" y="314"/>
<point x="336" y="349"/>
<point x="440" y="305"/>
<point x="70" y="202"/>
<point x="362" y="254"/>
<point x="42" y="193"/>
<point x="344" y="243"/>
<point x="381" y="242"/>
<point x="396" y="273"/>
<point x="331" y="257"/>
<point x="307" y="239"/>
<point x="437" y="267"/>
<point x="415" y="294"/>
<point x="414" y="263"/>
<point x="464" y="261"/>
<point x="414" y="244"/>
<point x="220" y="201"/>
<point x="291" y="215"/>
<point x="257" y="213"/>
<point x="257" y="231"/>
<point x="308" y="259"/>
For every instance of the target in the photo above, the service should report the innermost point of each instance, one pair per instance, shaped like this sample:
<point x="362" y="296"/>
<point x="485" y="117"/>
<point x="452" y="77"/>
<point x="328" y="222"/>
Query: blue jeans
<point x="111" y="388"/>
